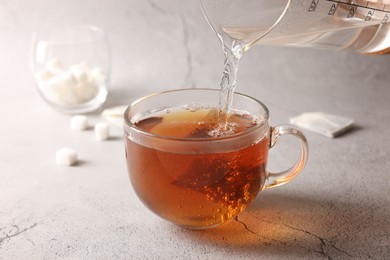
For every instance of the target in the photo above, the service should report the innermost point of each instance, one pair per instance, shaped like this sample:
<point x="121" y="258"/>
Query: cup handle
<point x="277" y="179"/>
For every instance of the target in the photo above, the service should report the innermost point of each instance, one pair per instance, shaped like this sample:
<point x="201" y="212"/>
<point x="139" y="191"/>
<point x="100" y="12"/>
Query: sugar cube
<point x="86" y="91"/>
<point x="54" y="66"/>
<point x="80" y="72"/>
<point x="101" y="131"/>
<point x="66" y="156"/>
<point x="98" y="76"/>
<point x="62" y="88"/>
<point x="79" y="123"/>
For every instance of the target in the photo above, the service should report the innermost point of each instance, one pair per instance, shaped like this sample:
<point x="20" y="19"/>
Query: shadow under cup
<point x="184" y="172"/>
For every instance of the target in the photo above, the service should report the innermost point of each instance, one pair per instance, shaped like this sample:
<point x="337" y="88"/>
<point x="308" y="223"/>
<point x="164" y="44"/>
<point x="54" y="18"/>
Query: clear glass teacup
<point x="188" y="169"/>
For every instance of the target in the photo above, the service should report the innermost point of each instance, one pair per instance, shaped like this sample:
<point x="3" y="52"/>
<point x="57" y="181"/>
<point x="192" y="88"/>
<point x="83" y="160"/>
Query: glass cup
<point x="71" y="66"/>
<point x="191" y="172"/>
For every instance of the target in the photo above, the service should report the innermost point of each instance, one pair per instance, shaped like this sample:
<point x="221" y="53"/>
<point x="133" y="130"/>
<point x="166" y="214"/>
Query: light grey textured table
<point x="338" y="208"/>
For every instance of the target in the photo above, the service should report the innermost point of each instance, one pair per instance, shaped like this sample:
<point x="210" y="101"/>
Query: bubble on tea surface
<point x="229" y="129"/>
<point x="206" y="120"/>
<point x="193" y="106"/>
<point x="236" y="122"/>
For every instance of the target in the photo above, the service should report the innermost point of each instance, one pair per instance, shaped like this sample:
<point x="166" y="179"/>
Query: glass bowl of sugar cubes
<point x="71" y="66"/>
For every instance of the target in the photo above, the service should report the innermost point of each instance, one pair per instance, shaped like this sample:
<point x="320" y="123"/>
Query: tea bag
<point x="322" y="123"/>
<point x="220" y="179"/>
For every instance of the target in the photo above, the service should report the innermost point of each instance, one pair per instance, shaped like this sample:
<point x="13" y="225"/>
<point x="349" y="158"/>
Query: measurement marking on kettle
<point x="385" y="19"/>
<point x="352" y="12"/>
<point x="333" y="9"/>
<point x="369" y="15"/>
<point x="313" y="5"/>
<point x="357" y="6"/>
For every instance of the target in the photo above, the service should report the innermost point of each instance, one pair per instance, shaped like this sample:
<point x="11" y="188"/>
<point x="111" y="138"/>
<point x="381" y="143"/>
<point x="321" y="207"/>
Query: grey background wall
<point x="161" y="45"/>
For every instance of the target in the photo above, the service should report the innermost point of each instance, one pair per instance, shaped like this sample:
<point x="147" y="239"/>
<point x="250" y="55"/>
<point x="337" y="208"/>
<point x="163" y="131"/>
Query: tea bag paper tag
<point x="322" y="123"/>
<point x="114" y="115"/>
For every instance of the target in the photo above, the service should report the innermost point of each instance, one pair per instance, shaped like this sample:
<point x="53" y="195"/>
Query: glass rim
<point x="99" y="34"/>
<point x="127" y="124"/>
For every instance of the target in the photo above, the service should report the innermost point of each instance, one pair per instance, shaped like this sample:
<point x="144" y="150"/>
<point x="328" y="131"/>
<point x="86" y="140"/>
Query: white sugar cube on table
<point x="102" y="131"/>
<point x="66" y="156"/>
<point x="79" y="123"/>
